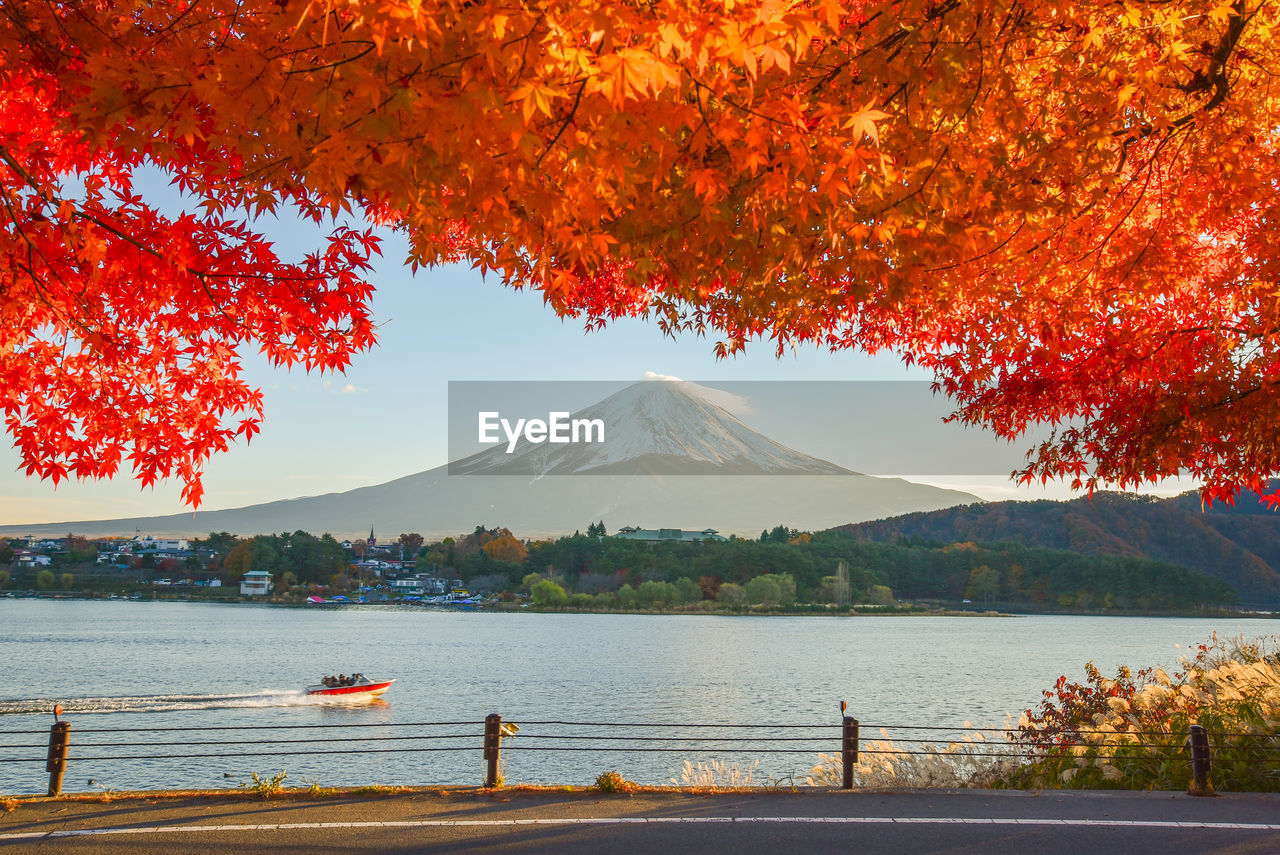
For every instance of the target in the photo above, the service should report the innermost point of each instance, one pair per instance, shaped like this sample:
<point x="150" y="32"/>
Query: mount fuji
<point x="656" y="427"/>
<point x="673" y="458"/>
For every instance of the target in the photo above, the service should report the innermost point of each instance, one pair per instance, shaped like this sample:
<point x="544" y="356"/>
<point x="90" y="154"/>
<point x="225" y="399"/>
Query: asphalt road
<point x="973" y="822"/>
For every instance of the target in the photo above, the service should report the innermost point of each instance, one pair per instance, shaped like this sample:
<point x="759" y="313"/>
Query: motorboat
<point x="355" y="688"/>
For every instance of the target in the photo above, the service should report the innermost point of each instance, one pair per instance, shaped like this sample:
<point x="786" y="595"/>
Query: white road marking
<point x="651" y="820"/>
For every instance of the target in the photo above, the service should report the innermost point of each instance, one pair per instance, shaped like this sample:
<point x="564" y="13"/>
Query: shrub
<point x="548" y="593"/>
<point x="687" y="590"/>
<point x="879" y="595"/>
<point x="772" y="588"/>
<point x="264" y="787"/>
<point x="613" y="782"/>
<point x="763" y="589"/>
<point x="732" y="594"/>
<point x="1129" y="732"/>
<point x="655" y="594"/>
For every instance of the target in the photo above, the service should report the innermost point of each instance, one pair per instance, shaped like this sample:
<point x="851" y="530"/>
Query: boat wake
<point x="159" y="703"/>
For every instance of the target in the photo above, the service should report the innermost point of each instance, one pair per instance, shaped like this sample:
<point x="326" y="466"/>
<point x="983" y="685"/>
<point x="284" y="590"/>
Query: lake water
<point x="146" y="665"/>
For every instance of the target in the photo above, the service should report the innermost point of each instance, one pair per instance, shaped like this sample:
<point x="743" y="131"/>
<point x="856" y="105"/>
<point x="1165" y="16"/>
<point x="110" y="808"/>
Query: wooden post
<point x="1199" y="742"/>
<point x="56" y="765"/>
<point x="848" y="750"/>
<point x="492" y="749"/>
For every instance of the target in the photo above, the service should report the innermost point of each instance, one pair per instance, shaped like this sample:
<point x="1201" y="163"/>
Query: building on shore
<point x="147" y="543"/>
<point x="668" y="535"/>
<point x="423" y="585"/>
<point x="256" y="583"/>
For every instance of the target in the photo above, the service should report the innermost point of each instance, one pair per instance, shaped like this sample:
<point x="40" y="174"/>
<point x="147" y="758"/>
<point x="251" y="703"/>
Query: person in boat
<point x="342" y="680"/>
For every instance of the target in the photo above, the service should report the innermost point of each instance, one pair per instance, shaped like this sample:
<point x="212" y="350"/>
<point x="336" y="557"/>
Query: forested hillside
<point x="1009" y="575"/>
<point x="1240" y="545"/>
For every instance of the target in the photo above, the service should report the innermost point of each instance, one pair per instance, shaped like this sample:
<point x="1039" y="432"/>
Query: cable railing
<point x="494" y="735"/>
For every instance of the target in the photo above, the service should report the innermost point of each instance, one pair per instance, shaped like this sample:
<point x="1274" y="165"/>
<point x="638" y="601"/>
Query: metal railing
<point x="492" y="737"/>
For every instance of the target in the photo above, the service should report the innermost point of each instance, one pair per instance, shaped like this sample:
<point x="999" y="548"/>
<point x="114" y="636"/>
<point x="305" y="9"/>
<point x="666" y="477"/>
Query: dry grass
<point x="716" y="775"/>
<point x="882" y="764"/>
<point x="378" y="790"/>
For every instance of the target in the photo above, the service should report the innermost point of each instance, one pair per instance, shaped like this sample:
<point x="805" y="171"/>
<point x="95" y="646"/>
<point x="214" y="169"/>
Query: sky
<point x="386" y="416"/>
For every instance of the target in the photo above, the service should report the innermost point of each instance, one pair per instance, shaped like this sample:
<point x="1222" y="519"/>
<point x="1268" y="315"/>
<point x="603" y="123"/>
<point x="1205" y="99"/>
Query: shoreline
<point x="520" y="608"/>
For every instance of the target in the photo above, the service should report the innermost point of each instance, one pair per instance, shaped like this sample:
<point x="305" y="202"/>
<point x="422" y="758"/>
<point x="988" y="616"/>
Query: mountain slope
<point x="745" y="482"/>
<point x="1241" y="549"/>
<point x="437" y="504"/>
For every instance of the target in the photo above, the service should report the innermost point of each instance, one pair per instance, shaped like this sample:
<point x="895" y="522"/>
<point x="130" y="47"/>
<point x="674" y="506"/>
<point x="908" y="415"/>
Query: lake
<point x="144" y="665"/>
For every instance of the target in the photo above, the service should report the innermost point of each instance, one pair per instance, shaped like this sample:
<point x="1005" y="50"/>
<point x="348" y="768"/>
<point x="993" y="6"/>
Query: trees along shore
<point x="782" y="571"/>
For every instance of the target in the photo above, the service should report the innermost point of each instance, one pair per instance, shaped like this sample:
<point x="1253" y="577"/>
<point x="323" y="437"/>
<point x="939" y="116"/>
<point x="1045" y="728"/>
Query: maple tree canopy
<point x="1067" y="210"/>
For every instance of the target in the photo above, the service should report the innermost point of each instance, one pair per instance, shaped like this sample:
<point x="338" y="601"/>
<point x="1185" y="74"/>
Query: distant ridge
<point x="662" y="430"/>
<point x="1240" y="546"/>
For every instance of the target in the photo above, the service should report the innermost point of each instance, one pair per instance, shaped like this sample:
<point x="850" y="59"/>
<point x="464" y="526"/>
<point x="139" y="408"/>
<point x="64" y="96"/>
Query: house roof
<point x="668" y="534"/>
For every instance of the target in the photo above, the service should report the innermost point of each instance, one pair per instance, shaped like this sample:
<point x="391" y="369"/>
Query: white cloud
<point x="738" y="405"/>
<point x="349" y="389"/>
<point x="998" y="488"/>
